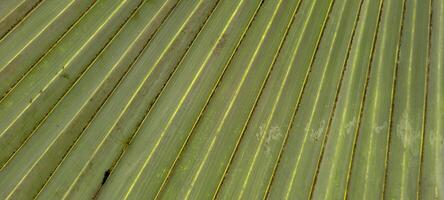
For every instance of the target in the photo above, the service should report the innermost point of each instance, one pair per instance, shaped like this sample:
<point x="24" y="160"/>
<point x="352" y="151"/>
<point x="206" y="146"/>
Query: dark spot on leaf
<point x="65" y="76"/>
<point x="105" y="176"/>
<point x="220" y="45"/>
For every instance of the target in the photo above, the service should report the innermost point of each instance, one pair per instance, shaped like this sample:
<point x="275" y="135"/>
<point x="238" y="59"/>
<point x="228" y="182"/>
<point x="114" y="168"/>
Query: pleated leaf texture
<point x="222" y="99"/>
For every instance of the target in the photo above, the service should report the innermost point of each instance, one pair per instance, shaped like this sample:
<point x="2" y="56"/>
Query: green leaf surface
<point x="13" y="11"/>
<point x="221" y="99"/>
<point x="295" y="175"/>
<point x="35" y="36"/>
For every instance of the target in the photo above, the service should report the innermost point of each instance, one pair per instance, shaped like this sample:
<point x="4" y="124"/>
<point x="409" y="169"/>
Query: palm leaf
<point x="221" y="99"/>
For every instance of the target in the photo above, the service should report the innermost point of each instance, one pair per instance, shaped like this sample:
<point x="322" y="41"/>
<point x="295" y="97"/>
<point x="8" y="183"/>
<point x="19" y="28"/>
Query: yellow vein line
<point x="376" y="100"/>
<point x="26" y="16"/>
<point x="392" y="97"/>
<point x="236" y="94"/>
<point x="129" y="101"/>
<point x="65" y="65"/>
<point x="293" y="174"/>
<point x="251" y="111"/>
<point x="137" y="90"/>
<point x="338" y="90"/>
<point x="27" y="173"/>
<point x="173" y="166"/>
<point x="341" y="136"/>
<point x="112" y="92"/>
<point x="48" y="52"/>
<point x="406" y="135"/>
<point x="12" y="10"/>
<point x="133" y="96"/>
<point x="277" y="100"/>
<point x="36" y="36"/>
<point x="182" y="100"/>
<point x="136" y="60"/>
<point x="300" y="94"/>
<point x="59" y="101"/>
<point x="426" y="97"/>
<point x="280" y="89"/>
<point x="222" y="122"/>
<point x="364" y="94"/>
<point x="160" y="94"/>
